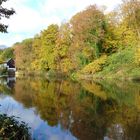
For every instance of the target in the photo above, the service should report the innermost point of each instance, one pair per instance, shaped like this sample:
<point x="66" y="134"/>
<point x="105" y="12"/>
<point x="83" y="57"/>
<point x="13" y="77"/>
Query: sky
<point x="32" y="16"/>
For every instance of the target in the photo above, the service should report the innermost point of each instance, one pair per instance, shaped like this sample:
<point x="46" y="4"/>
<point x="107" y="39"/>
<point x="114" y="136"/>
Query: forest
<point x="93" y="43"/>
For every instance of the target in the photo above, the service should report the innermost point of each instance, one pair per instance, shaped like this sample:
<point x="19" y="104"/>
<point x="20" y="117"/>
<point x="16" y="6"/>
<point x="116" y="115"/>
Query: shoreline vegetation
<point x="93" y="45"/>
<point x="12" y="129"/>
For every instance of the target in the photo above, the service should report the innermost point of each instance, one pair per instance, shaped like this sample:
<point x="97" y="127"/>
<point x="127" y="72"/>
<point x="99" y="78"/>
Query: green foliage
<point x="137" y="56"/>
<point x="120" y="63"/>
<point x="122" y="57"/>
<point x="3" y="71"/>
<point x="7" y="54"/>
<point x="84" y="60"/>
<point x="11" y="129"/>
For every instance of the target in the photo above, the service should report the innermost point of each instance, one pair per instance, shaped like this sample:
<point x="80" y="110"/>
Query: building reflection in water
<point x="66" y="109"/>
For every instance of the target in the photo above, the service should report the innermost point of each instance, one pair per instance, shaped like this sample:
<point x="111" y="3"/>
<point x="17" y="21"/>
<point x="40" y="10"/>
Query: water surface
<point x="66" y="110"/>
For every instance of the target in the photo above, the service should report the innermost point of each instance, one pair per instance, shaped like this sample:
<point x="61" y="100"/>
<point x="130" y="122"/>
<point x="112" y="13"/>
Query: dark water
<point x="66" y="110"/>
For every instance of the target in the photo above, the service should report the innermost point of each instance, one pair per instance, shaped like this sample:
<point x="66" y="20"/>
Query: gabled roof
<point x="4" y="62"/>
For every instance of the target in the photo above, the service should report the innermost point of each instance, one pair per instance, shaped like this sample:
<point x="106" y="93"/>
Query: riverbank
<point x="121" y="65"/>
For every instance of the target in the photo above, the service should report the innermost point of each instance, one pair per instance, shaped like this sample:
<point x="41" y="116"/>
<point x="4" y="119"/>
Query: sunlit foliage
<point x="81" y="43"/>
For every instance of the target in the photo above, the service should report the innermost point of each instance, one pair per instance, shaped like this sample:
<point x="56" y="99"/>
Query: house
<point x="8" y="67"/>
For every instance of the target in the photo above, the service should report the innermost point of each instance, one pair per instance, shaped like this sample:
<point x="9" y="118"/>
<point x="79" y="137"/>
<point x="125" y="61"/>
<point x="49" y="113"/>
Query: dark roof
<point x="11" y="63"/>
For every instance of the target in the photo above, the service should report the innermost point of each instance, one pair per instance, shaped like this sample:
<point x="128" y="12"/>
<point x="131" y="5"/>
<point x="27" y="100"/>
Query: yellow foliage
<point x="66" y="65"/>
<point x="95" y="89"/>
<point x="137" y="55"/>
<point x="95" y="66"/>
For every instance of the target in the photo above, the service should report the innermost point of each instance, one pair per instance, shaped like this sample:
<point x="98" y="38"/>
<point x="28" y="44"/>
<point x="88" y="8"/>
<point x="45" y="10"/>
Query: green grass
<point x="121" y="65"/>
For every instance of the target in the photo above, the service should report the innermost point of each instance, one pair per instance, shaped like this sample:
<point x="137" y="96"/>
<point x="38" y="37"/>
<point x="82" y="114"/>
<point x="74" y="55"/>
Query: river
<point x="65" y="110"/>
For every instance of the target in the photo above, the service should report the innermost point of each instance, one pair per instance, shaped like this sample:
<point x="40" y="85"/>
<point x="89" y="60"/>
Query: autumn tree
<point x="48" y="43"/>
<point x="130" y="11"/>
<point x="43" y="49"/>
<point x="88" y="32"/>
<point x="63" y="61"/>
<point x="84" y="43"/>
<point x="6" y="13"/>
<point x="36" y="53"/>
<point x="23" y="55"/>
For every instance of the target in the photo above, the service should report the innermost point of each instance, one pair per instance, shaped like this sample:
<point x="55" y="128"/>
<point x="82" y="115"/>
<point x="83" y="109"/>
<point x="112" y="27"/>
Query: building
<point x="10" y="64"/>
<point x="8" y="67"/>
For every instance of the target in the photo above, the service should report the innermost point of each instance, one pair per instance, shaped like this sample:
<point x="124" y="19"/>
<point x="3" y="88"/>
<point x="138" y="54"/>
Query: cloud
<point x="54" y="6"/>
<point x="34" y="15"/>
<point x="11" y="38"/>
<point x="26" y="19"/>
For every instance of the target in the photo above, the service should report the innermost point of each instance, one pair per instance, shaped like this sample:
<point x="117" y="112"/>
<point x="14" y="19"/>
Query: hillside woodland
<point x="92" y="43"/>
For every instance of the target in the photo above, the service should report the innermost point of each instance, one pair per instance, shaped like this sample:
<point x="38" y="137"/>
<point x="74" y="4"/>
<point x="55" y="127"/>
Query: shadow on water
<point x="64" y="109"/>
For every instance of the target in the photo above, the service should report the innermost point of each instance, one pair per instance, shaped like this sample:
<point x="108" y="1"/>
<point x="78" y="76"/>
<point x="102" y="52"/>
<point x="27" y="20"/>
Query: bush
<point x="95" y="66"/>
<point x="119" y="61"/>
<point x="11" y="129"/>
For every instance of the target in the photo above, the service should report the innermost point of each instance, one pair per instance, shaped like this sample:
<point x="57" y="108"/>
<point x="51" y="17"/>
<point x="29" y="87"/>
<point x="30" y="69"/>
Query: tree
<point x="36" y="53"/>
<point x="7" y="54"/>
<point x="88" y="33"/>
<point x="6" y="13"/>
<point x="23" y="55"/>
<point x="48" y="43"/>
<point x="131" y="16"/>
<point x="130" y="12"/>
<point x="61" y="52"/>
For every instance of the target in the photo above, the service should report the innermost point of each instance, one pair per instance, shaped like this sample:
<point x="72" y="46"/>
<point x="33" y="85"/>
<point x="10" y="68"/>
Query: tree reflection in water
<point x="89" y="110"/>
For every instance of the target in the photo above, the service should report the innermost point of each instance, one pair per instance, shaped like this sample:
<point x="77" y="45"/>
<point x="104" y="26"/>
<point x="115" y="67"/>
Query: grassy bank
<point x="120" y="65"/>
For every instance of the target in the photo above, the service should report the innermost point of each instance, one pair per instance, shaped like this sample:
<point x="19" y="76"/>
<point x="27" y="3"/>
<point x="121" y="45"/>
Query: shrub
<point x="95" y="66"/>
<point x="11" y="129"/>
